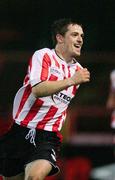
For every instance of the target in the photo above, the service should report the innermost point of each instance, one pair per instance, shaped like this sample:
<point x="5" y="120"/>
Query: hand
<point x="81" y="76"/>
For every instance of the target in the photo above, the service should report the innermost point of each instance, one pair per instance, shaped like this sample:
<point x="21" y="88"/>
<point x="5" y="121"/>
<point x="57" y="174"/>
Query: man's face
<point x="73" y="40"/>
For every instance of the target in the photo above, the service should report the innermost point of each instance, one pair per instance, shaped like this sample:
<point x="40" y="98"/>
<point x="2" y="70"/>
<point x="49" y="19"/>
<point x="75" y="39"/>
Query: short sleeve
<point x="40" y="65"/>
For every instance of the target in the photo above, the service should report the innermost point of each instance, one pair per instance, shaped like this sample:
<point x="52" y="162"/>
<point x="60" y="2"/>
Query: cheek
<point x="68" y="45"/>
<point x="70" y="48"/>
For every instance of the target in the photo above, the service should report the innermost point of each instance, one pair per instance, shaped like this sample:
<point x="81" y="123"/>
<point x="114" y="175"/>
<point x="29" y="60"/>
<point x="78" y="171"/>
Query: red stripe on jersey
<point x="57" y="123"/>
<point x="50" y="114"/>
<point x="24" y="98"/>
<point x="45" y="67"/>
<point x="32" y="112"/>
<point x="26" y="79"/>
<point x="63" y="67"/>
<point x="56" y="62"/>
<point x="69" y="72"/>
<point x="53" y="77"/>
<point x="74" y="90"/>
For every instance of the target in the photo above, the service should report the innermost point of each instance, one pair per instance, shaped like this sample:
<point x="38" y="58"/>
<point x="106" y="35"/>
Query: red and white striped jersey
<point x="49" y="112"/>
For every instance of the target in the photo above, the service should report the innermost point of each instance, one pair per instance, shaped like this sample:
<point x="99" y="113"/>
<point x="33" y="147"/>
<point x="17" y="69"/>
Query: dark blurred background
<point x="26" y="24"/>
<point x="25" y="27"/>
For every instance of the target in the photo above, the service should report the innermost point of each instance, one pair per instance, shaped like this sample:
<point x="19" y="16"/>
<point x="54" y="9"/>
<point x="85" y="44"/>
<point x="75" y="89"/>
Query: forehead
<point x="75" y="28"/>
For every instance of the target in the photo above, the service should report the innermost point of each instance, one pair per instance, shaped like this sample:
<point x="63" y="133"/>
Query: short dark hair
<point x="61" y="27"/>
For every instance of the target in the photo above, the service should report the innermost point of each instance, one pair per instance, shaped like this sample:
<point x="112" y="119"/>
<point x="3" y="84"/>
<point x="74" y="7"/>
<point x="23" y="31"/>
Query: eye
<point x="74" y="34"/>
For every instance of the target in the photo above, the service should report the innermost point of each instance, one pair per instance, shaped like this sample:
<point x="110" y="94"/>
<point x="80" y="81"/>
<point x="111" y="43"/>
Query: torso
<point x="44" y="113"/>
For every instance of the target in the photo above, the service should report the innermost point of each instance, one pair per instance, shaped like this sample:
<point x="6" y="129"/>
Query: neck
<point x="62" y="55"/>
<point x="59" y="54"/>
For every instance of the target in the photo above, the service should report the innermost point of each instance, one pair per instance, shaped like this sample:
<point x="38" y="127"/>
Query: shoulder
<point x="43" y="55"/>
<point x="43" y="51"/>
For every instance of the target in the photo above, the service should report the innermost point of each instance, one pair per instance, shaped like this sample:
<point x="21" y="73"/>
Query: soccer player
<point x="40" y="105"/>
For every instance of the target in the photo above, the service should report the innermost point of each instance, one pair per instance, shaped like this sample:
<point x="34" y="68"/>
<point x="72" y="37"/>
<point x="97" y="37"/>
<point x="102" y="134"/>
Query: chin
<point x="77" y="54"/>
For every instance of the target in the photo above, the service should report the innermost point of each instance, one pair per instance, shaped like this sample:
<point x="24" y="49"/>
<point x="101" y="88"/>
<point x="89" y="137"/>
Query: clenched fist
<point x="80" y="76"/>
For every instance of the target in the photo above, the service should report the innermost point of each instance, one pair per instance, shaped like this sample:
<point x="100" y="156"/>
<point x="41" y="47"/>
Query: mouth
<point x="77" y="46"/>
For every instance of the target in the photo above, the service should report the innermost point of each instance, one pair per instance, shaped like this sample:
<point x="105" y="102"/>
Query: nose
<point x="80" y="39"/>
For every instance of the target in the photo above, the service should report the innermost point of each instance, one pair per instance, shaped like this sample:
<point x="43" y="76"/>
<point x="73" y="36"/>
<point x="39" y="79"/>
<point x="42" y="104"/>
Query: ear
<point x="59" y="38"/>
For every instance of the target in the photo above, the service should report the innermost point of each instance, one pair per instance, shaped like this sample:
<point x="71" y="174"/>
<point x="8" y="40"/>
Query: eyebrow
<point x="78" y="33"/>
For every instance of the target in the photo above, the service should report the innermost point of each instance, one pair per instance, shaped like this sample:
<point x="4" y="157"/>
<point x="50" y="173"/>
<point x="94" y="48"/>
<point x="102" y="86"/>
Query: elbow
<point x="40" y="90"/>
<point x="34" y="91"/>
<point x="37" y="91"/>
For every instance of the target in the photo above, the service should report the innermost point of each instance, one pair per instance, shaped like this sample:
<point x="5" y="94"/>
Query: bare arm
<point x="47" y="88"/>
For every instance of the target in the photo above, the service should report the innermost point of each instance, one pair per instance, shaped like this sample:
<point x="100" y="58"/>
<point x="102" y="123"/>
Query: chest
<point x="62" y="72"/>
